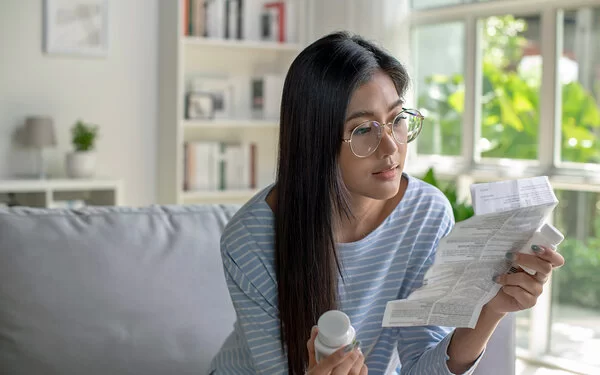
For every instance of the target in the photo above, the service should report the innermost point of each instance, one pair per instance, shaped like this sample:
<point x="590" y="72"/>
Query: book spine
<point x="279" y="8"/>
<point x="240" y="19"/>
<point x="186" y="17"/>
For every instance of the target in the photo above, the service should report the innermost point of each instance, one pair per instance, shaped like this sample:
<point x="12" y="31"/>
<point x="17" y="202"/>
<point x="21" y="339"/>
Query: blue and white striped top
<point x="387" y="264"/>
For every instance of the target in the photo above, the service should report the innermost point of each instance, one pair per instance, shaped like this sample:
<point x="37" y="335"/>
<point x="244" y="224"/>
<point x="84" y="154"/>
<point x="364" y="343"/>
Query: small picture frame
<point x="222" y="91"/>
<point x="199" y="105"/>
<point x="76" y="27"/>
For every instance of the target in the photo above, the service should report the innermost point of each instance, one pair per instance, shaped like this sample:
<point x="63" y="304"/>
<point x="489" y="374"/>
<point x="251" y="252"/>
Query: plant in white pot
<point x="81" y="163"/>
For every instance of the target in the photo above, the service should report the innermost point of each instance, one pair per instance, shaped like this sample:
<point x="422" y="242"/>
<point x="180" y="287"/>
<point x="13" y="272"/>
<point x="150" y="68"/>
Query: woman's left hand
<point x="521" y="290"/>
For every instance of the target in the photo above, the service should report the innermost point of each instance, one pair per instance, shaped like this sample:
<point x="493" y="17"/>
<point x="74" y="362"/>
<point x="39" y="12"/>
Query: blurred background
<point x="135" y="102"/>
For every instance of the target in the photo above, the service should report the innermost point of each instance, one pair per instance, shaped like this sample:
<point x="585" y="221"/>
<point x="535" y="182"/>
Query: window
<point x="440" y="86"/>
<point x="424" y="4"/>
<point x="513" y="88"/>
<point x="579" y="68"/>
<point x="511" y="74"/>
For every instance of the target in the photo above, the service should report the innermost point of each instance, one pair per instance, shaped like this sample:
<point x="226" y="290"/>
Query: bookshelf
<point x="229" y="123"/>
<point x="185" y="58"/>
<point x="191" y="41"/>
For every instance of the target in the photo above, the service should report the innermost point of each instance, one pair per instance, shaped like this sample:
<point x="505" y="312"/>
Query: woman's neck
<point x="368" y="214"/>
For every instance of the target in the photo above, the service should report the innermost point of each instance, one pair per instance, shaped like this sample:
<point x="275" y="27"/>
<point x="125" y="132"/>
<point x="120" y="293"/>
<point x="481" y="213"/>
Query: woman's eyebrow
<point x="359" y="114"/>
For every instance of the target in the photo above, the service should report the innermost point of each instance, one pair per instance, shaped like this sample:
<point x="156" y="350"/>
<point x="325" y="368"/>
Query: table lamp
<point x="39" y="133"/>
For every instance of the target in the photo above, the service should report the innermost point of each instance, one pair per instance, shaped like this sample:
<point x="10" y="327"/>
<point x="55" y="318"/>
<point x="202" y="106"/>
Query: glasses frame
<point x="388" y="125"/>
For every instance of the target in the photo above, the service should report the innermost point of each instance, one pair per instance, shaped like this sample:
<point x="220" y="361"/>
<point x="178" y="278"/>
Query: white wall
<point x="382" y="21"/>
<point x="118" y="92"/>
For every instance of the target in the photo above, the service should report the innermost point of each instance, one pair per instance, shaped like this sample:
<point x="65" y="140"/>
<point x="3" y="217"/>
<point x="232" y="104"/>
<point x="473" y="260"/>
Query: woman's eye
<point x="362" y="130"/>
<point x="400" y="120"/>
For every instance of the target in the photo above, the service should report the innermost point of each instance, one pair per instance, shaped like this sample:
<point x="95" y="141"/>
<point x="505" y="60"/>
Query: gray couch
<point x="126" y="291"/>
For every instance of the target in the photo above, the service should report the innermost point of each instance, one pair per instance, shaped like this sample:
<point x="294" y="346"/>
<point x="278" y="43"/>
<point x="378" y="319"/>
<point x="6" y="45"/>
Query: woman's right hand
<point x="346" y="360"/>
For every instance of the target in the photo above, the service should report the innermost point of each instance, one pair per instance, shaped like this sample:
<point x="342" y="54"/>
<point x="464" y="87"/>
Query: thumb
<point x="310" y="345"/>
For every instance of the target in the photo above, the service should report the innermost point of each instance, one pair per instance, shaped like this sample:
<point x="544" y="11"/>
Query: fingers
<point x="310" y="345"/>
<point x="522" y="299"/>
<point x="529" y="284"/>
<point x="358" y="364"/>
<point x="352" y="364"/>
<point x="523" y="288"/>
<point x="549" y="255"/>
<point x="364" y="370"/>
<point x="333" y="361"/>
<point x="532" y="261"/>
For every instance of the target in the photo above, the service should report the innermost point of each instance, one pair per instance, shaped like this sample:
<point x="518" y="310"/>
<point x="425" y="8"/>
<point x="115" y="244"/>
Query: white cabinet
<point x="60" y="192"/>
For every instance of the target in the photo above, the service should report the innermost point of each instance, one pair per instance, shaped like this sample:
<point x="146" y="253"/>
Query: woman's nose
<point x="388" y="145"/>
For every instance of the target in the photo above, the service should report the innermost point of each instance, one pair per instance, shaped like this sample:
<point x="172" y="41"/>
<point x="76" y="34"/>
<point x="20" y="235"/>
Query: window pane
<point x="579" y="74"/>
<point x="424" y="4"/>
<point x="512" y="70"/>
<point x="440" y="86"/>
<point x="575" y="329"/>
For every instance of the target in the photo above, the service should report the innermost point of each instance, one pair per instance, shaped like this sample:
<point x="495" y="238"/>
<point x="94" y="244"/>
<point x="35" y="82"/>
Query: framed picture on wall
<point x="76" y="27"/>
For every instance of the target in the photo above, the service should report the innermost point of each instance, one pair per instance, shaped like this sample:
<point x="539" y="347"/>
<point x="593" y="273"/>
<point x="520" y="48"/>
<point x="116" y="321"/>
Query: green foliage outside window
<point x="510" y="104"/>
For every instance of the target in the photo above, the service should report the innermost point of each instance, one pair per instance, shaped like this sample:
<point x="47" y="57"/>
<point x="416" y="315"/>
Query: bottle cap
<point x="551" y="234"/>
<point x="335" y="329"/>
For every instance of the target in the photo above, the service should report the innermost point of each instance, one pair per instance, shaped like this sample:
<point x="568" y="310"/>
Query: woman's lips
<point x="387" y="174"/>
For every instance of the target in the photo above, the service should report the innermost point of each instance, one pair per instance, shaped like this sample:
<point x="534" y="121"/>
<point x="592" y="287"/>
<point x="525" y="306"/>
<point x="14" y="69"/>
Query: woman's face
<point x="377" y="176"/>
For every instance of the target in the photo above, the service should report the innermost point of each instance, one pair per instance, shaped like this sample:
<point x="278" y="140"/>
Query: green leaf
<point x="522" y="103"/>
<point x="509" y="117"/>
<point x="591" y="114"/>
<point x="457" y="101"/>
<point x="430" y="177"/>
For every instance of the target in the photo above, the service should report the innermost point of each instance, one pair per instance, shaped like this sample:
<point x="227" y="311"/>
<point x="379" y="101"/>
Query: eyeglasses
<point x="366" y="137"/>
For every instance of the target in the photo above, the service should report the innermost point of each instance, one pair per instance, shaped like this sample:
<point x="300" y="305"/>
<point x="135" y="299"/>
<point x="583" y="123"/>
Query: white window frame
<point x="468" y="167"/>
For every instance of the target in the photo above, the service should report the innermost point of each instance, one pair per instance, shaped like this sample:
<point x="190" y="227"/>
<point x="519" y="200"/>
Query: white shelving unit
<point x="191" y="41"/>
<point x="182" y="56"/>
<point x="44" y="193"/>
<point x="228" y="196"/>
<point x="231" y="123"/>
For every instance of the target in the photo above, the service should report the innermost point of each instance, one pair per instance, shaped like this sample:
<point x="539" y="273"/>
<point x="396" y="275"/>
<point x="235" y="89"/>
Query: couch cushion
<point x="112" y="290"/>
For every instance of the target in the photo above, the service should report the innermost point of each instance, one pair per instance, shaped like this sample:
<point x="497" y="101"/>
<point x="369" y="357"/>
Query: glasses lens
<point x="407" y="126"/>
<point x="365" y="138"/>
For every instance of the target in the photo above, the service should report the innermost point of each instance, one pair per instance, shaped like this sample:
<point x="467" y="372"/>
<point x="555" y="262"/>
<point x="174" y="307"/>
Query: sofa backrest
<point x="112" y="290"/>
<point x="116" y="290"/>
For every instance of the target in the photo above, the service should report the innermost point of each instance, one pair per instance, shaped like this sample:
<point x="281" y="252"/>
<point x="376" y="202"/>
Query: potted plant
<point x="81" y="163"/>
<point x="460" y="208"/>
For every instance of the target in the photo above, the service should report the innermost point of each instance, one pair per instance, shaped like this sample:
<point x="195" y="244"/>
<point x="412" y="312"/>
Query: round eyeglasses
<point x="366" y="137"/>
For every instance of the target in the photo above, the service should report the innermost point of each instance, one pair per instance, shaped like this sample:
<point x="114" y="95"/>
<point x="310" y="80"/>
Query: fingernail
<point x="510" y="256"/>
<point x="536" y="249"/>
<point x="497" y="278"/>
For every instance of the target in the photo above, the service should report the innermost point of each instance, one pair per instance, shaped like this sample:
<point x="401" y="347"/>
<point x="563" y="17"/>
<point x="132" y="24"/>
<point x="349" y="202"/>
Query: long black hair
<point x="310" y="195"/>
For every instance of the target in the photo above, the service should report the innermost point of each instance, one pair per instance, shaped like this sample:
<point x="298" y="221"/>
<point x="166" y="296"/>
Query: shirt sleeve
<point x="424" y="349"/>
<point x="257" y="318"/>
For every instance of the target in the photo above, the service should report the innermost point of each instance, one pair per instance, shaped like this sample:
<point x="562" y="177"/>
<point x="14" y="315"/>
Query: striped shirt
<point x="388" y="264"/>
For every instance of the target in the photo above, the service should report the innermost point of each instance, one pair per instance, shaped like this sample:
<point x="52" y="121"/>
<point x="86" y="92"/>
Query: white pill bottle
<point x="547" y="236"/>
<point x="335" y="331"/>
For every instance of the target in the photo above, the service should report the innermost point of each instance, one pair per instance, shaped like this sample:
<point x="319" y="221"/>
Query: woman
<point x="343" y="227"/>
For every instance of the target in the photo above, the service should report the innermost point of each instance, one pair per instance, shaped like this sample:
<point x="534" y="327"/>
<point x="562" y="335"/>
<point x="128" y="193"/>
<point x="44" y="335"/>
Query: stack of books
<point x="210" y="166"/>
<point x="256" y="20"/>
